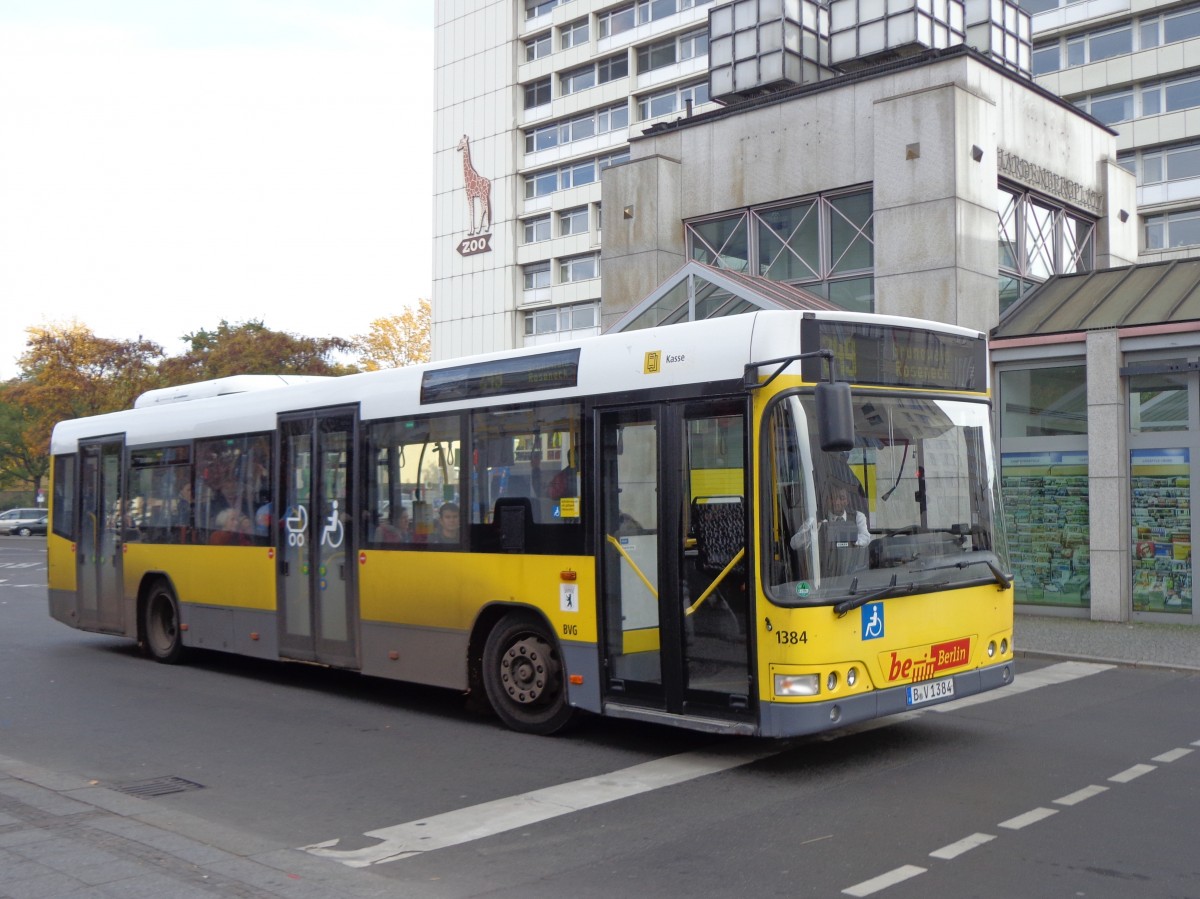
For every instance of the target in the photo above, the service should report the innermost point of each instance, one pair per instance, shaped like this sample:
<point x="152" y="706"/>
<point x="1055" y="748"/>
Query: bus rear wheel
<point x="160" y="625"/>
<point x="523" y="676"/>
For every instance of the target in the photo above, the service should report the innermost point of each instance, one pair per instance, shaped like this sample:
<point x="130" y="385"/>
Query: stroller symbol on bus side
<point x="296" y="526"/>
<point x="334" y="532"/>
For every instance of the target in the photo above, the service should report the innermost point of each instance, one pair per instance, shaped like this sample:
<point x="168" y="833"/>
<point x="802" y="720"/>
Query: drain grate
<point x="158" y="786"/>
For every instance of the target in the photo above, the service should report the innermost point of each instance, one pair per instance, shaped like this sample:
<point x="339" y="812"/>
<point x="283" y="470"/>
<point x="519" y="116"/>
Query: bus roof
<point x="707" y="351"/>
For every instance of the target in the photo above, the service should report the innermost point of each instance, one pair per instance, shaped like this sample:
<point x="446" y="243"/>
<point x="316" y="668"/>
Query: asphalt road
<point x="1083" y="780"/>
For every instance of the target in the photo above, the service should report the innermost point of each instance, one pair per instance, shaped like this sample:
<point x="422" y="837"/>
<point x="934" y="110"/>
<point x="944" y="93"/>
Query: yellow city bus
<point x="774" y="523"/>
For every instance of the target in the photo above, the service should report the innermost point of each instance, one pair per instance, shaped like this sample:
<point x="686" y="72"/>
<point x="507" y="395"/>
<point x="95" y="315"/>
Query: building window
<point x="579" y="268"/>
<point x="573" y="221"/>
<point x="1168" y="164"/>
<point x="669" y="52"/>
<point x="1046" y="58"/>
<point x="1038" y="239"/>
<point x="1169" y="28"/>
<point x="539" y="184"/>
<point x="1044" y="402"/>
<point x="537" y="93"/>
<point x="615" y="21"/>
<point x="650" y="10"/>
<point x="535" y="8"/>
<point x="612" y="68"/>
<point x="671" y="100"/>
<point x="1098" y="45"/>
<point x="537" y="47"/>
<point x="578" y="79"/>
<point x="561" y="319"/>
<point x="824" y="244"/>
<point x="1158" y="402"/>
<point x="599" y="121"/>
<point x="573" y="34"/>
<point x="537" y="229"/>
<point x="693" y="44"/>
<point x="1173" y="229"/>
<point x="537" y="275"/>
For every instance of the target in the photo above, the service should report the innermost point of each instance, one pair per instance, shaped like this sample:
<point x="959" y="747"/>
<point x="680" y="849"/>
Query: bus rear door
<point x="102" y="520"/>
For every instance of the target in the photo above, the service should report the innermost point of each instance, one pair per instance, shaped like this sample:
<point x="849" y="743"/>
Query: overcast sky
<point x="165" y="164"/>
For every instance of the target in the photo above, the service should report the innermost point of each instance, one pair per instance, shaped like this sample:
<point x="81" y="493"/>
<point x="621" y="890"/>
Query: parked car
<point x="23" y="522"/>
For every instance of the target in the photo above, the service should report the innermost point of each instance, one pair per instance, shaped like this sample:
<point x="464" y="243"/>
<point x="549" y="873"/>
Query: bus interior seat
<point x="718" y="524"/>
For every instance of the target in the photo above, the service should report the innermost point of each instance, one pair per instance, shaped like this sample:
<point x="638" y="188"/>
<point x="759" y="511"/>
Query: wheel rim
<point x="163" y="627"/>
<point x="529" y="671"/>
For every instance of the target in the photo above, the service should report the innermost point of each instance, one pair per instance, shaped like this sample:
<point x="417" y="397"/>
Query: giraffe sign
<point x="479" y="190"/>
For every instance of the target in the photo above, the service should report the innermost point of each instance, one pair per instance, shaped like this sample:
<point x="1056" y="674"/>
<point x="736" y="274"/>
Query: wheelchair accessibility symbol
<point x="872" y="621"/>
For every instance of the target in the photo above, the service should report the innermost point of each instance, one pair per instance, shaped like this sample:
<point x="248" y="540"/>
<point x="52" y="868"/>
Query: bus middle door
<point x="316" y="538"/>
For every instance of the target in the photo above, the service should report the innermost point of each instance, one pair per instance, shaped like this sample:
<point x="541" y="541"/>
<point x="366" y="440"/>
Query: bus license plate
<point x="938" y="689"/>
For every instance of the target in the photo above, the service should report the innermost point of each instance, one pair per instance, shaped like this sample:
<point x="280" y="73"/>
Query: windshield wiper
<point x="892" y="589"/>
<point x="1003" y="580"/>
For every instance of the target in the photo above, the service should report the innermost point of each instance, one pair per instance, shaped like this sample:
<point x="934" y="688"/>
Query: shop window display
<point x="1160" y="507"/>
<point x="1046" y="517"/>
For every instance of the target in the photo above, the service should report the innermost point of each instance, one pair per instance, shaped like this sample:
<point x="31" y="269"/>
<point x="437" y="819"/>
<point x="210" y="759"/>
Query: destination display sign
<point x="497" y="377"/>
<point x="891" y="356"/>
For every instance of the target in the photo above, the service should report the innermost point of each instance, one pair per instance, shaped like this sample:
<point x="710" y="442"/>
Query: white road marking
<point x="883" y="881"/>
<point x="1132" y="773"/>
<point x="1051" y="675"/>
<point x="1173" y="755"/>
<point x="1030" y="817"/>
<point x="1079" y="795"/>
<point x="489" y="818"/>
<point x="966" y="844"/>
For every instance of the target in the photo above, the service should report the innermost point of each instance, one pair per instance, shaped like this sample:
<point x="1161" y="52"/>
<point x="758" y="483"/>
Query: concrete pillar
<point x="1108" y="479"/>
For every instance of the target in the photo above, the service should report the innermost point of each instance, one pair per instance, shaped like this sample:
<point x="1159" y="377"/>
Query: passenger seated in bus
<point x="447" y="525"/>
<point x="395" y="529"/>
<point x="234" y="528"/>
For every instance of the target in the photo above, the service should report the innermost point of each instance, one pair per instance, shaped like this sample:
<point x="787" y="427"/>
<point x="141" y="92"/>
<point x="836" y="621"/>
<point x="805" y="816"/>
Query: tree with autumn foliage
<point x="395" y="341"/>
<point x="65" y="372"/>
<point x="252" y="348"/>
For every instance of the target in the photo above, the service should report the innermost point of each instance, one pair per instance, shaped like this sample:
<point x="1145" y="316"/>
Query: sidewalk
<point x="66" y="838"/>
<point x="1144" y="645"/>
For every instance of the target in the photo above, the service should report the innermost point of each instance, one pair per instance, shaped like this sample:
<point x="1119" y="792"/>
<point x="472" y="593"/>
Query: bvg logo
<point x="939" y="657"/>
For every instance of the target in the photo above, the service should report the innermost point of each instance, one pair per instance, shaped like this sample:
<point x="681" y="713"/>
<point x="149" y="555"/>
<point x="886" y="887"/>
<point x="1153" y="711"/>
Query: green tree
<point x="252" y="348"/>
<point x="395" y="341"/>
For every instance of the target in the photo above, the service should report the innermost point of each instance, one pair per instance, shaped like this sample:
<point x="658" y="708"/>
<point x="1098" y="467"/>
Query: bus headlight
<point x="851" y="677"/>
<point x="831" y="682"/>
<point x="797" y="685"/>
<point x="1004" y="647"/>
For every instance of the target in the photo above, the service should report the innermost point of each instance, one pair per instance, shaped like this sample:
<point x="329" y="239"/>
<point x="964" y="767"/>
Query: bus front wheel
<point x="523" y="676"/>
<point x="160" y="625"/>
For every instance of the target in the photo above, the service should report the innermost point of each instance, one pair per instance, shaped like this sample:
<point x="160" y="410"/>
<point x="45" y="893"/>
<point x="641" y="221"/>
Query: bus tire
<point x="523" y="676"/>
<point x="160" y="625"/>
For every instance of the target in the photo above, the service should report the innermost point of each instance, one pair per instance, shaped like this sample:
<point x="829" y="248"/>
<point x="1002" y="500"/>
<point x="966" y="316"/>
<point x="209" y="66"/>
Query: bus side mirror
<point x="835" y="416"/>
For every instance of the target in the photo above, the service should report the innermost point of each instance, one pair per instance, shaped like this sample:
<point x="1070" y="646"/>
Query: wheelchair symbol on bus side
<point x="296" y="525"/>
<point x="334" y="531"/>
<point x="872" y="621"/>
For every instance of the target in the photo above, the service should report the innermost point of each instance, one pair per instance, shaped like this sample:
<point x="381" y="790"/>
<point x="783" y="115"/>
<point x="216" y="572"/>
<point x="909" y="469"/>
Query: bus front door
<point x="102" y="520"/>
<point x="316" y="538"/>
<point x="674" y="587"/>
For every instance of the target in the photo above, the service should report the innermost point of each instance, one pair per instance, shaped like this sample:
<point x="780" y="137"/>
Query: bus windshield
<point x="912" y="508"/>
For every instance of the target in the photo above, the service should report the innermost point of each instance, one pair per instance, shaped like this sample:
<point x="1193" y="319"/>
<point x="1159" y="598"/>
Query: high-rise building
<point x="537" y="98"/>
<point x="1136" y="67"/>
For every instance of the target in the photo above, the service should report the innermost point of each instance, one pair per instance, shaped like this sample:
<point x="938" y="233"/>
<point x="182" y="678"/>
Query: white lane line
<point x="966" y="844"/>
<point x="498" y="816"/>
<point x="1132" y="773"/>
<point x="883" y="881"/>
<point x="1173" y="755"/>
<point x="1030" y="817"/>
<point x="1079" y="795"/>
<point x="489" y="818"/>
<point x="1051" y="675"/>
